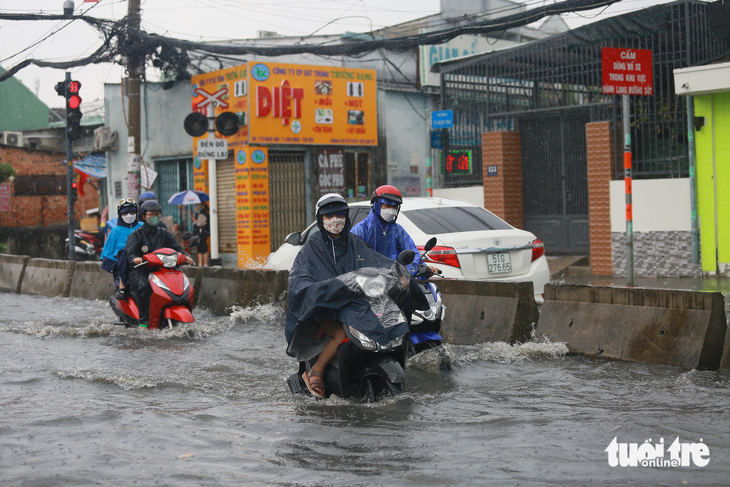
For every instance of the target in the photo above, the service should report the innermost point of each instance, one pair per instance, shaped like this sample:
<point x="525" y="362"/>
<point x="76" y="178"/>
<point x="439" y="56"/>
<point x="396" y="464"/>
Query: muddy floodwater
<point x="84" y="402"/>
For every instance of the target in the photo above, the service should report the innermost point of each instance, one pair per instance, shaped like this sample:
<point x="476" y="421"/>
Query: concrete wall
<point x="680" y="328"/>
<point x="685" y="329"/>
<point x="662" y="228"/>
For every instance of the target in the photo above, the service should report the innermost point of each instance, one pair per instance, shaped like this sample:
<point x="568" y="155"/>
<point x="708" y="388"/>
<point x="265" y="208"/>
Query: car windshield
<point x="453" y="219"/>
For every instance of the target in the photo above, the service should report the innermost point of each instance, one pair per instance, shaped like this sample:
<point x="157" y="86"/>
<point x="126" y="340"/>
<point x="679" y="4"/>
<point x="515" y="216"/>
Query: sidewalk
<point x="563" y="270"/>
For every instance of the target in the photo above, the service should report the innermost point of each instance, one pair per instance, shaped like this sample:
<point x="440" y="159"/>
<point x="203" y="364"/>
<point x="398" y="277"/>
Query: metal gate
<point x="174" y="175"/>
<point x="226" y="174"/>
<point x="287" y="195"/>
<point x="555" y="179"/>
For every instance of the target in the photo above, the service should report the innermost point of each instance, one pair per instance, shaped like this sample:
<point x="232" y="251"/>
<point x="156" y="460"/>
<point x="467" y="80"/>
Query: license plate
<point x="499" y="263"/>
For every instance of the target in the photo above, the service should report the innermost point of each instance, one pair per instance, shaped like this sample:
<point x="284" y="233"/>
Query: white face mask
<point x="334" y="225"/>
<point x="388" y="214"/>
<point x="129" y="218"/>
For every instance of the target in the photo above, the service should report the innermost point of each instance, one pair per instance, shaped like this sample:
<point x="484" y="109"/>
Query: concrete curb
<point x="685" y="329"/>
<point x="12" y="269"/>
<point x="48" y="277"/>
<point x="89" y="281"/>
<point x="223" y="288"/>
<point x="487" y="311"/>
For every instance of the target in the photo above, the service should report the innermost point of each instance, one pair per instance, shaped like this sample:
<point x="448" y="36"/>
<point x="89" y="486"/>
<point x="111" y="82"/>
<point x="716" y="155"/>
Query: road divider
<point x="12" y="268"/>
<point x="685" y="329"/>
<point x="47" y="277"/>
<point x="487" y="311"/>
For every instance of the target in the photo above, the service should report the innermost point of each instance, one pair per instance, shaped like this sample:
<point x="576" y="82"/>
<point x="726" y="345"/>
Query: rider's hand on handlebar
<point x="434" y="270"/>
<point x="138" y="260"/>
<point x="189" y="260"/>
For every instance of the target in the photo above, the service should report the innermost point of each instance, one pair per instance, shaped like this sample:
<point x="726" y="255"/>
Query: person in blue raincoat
<point x="380" y="231"/>
<point x="113" y="256"/>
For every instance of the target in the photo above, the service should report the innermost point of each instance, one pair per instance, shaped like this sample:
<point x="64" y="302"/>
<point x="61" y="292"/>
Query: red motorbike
<point x="172" y="295"/>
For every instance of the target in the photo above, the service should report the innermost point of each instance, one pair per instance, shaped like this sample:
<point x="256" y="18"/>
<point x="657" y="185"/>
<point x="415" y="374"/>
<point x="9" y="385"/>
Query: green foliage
<point x="6" y="172"/>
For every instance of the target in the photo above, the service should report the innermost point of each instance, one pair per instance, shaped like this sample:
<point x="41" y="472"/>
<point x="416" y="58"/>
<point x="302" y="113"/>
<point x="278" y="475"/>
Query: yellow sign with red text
<point x="252" y="206"/>
<point x="322" y="105"/>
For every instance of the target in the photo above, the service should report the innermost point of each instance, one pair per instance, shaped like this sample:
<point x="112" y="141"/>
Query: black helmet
<point x="126" y="205"/>
<point x="331" y="203"/>
<point x="149" y="205"/>
<point x="147" y="196"/>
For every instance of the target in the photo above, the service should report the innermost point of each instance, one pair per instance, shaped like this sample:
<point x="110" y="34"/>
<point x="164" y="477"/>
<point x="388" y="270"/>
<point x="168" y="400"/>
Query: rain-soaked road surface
<point x="83" y="403"/>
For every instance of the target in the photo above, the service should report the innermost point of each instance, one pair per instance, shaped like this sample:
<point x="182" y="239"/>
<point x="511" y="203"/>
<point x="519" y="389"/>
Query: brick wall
<point x="599" y="142"/>
<point x="503" y="192"/>
<point x="41" y="211"/>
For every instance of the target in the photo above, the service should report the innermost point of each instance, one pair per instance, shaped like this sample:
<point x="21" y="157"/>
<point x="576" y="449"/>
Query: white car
<point x="473" y="243"/>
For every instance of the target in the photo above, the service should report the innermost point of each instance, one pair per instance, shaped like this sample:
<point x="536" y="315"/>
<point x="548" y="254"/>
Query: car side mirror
<point x="294" y="238"/>
<point x="406" y="257"/>
<point x="430" y="244"/>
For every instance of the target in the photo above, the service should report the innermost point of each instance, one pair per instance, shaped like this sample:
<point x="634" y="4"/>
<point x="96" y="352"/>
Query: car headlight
<point x="168" y="260"/>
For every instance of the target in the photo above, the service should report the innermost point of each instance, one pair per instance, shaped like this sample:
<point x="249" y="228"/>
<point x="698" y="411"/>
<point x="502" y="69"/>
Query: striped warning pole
<point x="627" y="184"/>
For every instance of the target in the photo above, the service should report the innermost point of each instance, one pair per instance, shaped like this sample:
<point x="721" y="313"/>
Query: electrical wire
<point x="173" y="55"/>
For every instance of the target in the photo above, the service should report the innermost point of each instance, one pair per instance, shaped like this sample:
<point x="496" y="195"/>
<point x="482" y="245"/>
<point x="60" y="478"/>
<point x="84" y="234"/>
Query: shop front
<point x="303" y="131"/>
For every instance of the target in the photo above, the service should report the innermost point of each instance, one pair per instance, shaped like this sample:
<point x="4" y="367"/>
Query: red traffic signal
<point x="74" y="102"/>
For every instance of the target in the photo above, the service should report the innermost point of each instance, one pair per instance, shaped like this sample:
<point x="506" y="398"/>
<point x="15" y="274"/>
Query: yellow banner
<point x="302" y="104"/>
<point x="252" y="206"/>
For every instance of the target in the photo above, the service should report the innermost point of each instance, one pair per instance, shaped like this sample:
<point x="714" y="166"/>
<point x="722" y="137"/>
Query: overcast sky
<point x="208" y="20"/>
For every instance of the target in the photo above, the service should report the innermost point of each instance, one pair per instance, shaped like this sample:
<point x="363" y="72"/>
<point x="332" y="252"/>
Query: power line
<point x="172" y="55"/>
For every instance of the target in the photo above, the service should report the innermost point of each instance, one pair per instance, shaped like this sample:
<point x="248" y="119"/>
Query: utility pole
<point x="69" y="179"/>
<point x="135" y="70"/>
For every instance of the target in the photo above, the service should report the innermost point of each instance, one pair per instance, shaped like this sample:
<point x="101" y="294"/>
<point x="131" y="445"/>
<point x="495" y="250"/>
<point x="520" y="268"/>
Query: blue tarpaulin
<point x="94" y="165"/>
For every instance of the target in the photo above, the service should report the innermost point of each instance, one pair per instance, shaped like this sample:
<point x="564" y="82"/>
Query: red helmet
<point x="389" y="193"/>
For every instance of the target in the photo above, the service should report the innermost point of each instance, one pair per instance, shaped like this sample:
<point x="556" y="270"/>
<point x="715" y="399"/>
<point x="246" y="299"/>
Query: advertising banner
<point x="5" y="197"/>
<point x="253" y="236"/>
<point x="331" y="165"/>
<point x="302" y="104"/>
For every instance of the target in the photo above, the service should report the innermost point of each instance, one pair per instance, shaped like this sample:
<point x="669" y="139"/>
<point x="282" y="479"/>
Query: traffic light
<point x="73" y="110"/>
<point x="70" y="91"/>
<point x="74" y="191"/>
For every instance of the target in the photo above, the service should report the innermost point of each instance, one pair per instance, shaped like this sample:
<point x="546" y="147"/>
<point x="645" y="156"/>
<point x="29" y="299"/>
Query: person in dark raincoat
<point x="380" y="231"/>
<point x="147" y="238"/>
<point x="318" y="302"/>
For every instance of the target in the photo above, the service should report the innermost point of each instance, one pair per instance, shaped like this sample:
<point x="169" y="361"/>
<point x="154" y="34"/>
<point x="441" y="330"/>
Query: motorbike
<point x="426" y="324"/>
<point x="362" y="368"/>
<point x="86" y="246"/>
<point x="172" y="295"/>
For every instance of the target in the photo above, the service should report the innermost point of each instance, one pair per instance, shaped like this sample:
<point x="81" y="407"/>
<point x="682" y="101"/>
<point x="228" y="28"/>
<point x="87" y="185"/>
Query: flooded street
<point x="83" y="402"/>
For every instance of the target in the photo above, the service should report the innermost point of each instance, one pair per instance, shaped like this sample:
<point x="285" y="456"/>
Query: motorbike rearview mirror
<point x="406" y="257"/>
<point x="193" y="241"/>
<point x="293" y="238"/>
<point x="430" y="244"/>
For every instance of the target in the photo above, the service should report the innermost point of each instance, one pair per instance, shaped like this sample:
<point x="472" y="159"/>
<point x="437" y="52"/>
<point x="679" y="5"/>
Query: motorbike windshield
<point x="382" y="289"/>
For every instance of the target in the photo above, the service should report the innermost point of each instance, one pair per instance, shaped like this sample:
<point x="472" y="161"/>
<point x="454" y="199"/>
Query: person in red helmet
<point x="380" y="230"/>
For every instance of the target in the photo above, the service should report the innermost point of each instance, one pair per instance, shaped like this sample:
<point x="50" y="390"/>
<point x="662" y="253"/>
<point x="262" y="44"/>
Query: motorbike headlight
<point x="158" y="282"/>
<point x="372" y="286"/>
<point x="366" y="342"/>
<point x="168" y="260"/>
